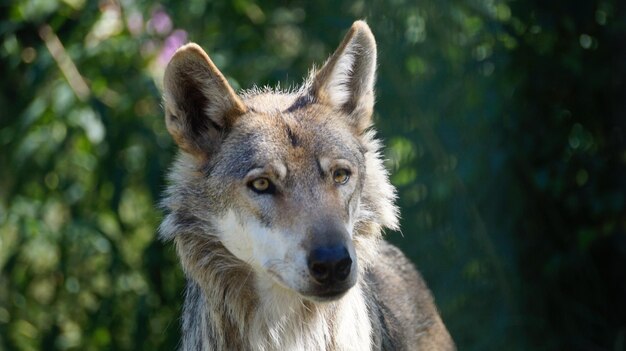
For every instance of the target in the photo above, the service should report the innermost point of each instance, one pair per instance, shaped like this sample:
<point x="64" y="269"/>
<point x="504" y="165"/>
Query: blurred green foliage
<point x="505" y="130"/>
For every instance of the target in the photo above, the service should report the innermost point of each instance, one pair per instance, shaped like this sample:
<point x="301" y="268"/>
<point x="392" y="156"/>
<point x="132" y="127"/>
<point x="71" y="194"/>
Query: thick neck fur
<point x="229" y="307"/>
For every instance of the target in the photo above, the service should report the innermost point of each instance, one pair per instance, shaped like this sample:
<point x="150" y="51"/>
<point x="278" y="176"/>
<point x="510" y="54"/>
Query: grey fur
<point x="243" y="294"/>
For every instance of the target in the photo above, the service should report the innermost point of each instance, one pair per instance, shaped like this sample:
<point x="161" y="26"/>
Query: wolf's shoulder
<point x="402" y="307"/>
<point x="393" y="278"/>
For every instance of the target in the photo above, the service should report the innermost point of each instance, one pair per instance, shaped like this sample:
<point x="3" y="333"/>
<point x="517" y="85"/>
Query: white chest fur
<point x="284" y="322"/>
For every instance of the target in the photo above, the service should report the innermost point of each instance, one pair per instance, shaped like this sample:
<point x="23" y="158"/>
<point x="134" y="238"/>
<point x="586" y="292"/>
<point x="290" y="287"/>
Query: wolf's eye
<point x="341" y="176"/>
<point x="261" y="186"/>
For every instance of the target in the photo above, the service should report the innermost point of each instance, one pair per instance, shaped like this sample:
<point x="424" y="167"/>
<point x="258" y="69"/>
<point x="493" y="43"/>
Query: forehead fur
<point x="273" y="130"/>
<point x="268" y="99"/>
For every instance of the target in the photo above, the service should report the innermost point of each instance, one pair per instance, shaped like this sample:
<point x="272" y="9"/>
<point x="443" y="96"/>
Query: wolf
<point x="276" y="204"/>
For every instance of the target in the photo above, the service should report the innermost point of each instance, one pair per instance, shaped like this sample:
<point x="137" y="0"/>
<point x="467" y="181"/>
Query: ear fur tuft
<point x="199" y="102"/>
<point x="346" y="81"/>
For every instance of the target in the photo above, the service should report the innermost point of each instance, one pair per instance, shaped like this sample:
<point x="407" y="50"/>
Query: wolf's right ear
<point x="199" y="103"/>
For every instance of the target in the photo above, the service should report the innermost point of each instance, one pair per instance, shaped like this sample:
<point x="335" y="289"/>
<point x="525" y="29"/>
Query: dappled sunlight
<point x="504" y="132"/>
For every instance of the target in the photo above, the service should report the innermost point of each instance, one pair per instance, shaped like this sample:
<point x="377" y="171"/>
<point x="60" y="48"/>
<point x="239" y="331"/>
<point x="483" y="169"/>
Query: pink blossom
<point x="172" y="43"/>
<point x="161" y="22"/>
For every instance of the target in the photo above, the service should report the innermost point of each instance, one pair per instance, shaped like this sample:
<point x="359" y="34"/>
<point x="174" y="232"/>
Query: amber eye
<point x="261" y="185"/>
<point x="341" y="176"/>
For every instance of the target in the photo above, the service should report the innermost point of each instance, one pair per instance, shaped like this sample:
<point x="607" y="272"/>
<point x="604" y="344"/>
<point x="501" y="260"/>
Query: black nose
<point x="329" y="264"/>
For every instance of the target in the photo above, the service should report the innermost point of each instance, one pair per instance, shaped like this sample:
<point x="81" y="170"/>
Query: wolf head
<point x="288" y="185"/>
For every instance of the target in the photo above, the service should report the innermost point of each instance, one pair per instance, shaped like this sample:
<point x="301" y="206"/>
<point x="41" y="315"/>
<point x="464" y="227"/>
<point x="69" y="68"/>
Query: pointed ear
<point x="199" y="103"/>
<point x="346" y="81"/>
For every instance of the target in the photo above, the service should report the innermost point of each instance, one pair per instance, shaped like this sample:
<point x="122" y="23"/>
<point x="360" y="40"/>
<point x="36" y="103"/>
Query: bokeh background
<point x="505" y="128"/>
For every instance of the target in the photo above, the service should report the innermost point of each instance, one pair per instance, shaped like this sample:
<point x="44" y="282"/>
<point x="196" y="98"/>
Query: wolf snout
<point x="329" y="265"/>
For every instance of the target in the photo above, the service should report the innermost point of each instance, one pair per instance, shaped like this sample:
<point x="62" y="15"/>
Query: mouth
<point x="317" y="294"/>
<point x="327" y="296"/>
<point x="328" y="292"/>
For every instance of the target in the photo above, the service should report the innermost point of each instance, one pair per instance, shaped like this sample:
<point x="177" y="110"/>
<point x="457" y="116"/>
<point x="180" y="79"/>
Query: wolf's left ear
<point x="346" y="81"/>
